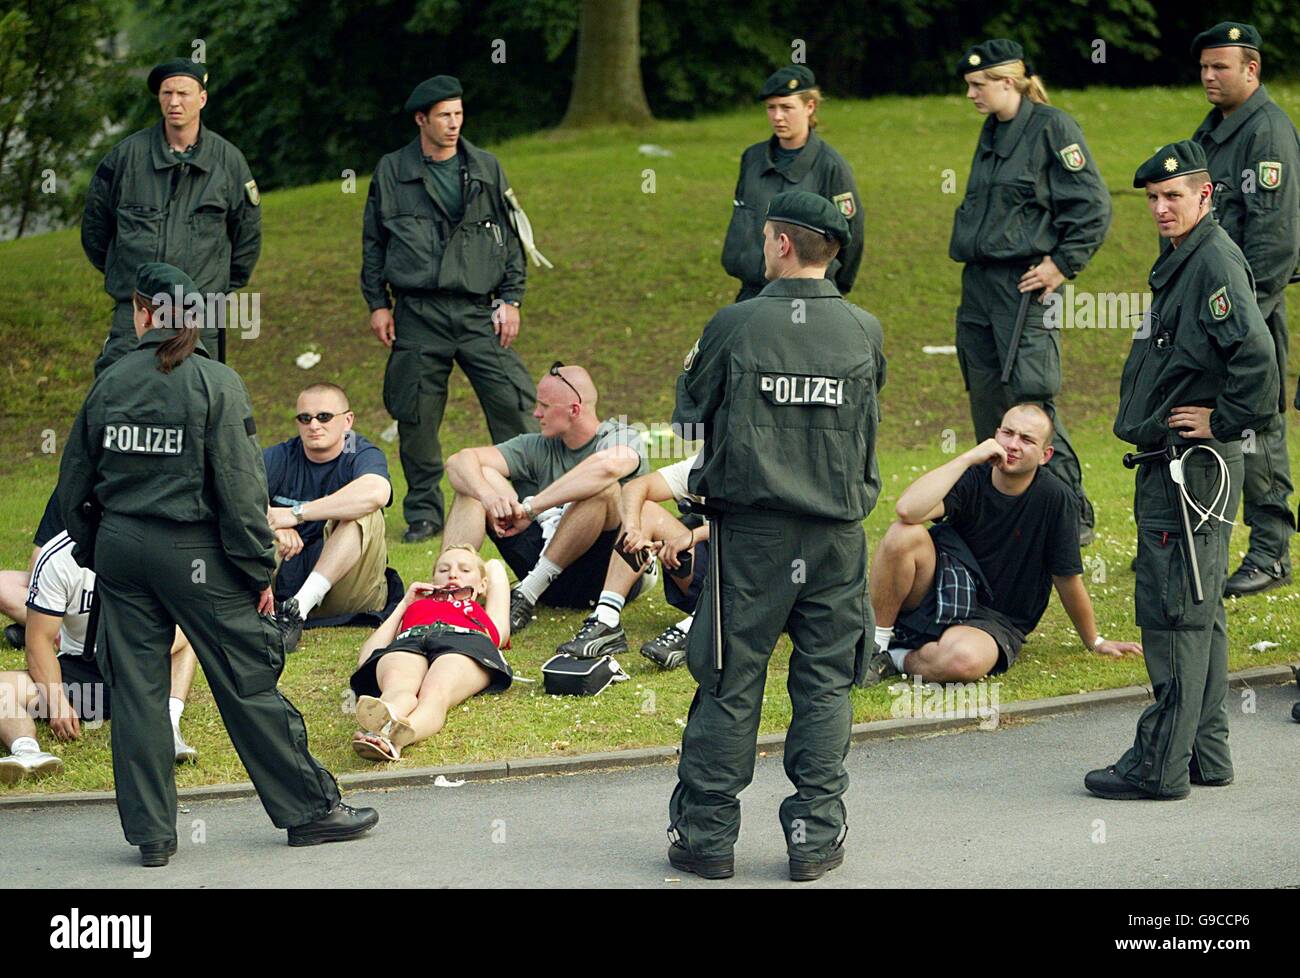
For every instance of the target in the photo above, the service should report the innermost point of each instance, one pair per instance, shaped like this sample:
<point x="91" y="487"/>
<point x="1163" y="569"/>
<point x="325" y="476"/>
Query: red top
<point x="460" y="614"/>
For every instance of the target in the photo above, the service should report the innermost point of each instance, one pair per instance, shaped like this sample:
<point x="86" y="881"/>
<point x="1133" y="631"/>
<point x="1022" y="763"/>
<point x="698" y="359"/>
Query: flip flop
<point x="373" y="714"/>
<point x="374" y="748"/>
<point x="401" y="733"/>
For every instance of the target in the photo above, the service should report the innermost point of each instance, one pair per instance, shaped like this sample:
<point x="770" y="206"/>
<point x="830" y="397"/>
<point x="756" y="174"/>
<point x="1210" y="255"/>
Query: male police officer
<point x="784" y="386"/>
<point x="1253" y="152"/>
<point x="793" y="158"/>
<point x="176" y="193"/>
<point x="439" y="232"/>
<point x="1201" y="372"/>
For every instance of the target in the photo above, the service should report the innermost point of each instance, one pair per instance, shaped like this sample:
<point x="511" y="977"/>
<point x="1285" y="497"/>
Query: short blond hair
<point x="478" y="559"/>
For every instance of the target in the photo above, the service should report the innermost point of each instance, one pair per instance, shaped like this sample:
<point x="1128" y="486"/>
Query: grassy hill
<point x="637" y="275"/>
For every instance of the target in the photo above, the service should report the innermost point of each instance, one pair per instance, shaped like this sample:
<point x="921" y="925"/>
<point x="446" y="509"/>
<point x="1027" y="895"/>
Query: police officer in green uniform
<point x="163" y="491"/>
<point x="784" y="386"/>
<point x="1034" y="213"/>
<point x="1201" y="372"/>
<point x="175" y="192"/>
<point x="1253" y="152"/>
<point x="440" y="234"/>
<point x="793" y="158"/>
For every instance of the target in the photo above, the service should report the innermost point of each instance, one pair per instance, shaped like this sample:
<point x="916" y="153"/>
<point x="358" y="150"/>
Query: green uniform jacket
<point x="1205" y="344"/>
<point x="179" y="446"/>
<point x="409" y="242"/>
<point x="1034" y="191"/>
<point x="203" y="216"/>
<point x="817" y="169"/>
<point x="1254" y="158"/>
<point x="782" y="388"/>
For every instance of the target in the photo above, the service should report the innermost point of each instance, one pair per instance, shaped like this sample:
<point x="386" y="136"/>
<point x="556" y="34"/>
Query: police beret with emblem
<point x="1174" y="160"/>
<point x="177" y="66"/>
<point x="431" y="91"/>
<point x="990" y="54"/>
<point x="787" y="81"/>
<point x="1229" y="34"/>
<point x="808" y="210"/>
<point x="155" y="277"/>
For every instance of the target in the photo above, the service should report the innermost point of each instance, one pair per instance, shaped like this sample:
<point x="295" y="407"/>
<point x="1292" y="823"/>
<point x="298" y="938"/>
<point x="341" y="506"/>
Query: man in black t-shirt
<point x="954" y="603"/>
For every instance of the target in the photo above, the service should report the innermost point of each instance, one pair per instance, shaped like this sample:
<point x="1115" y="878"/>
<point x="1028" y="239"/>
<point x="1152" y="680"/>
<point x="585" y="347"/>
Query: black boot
<point x="341" y="824"/>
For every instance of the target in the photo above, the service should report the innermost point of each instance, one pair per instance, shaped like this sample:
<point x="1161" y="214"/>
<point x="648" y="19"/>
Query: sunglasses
<point x="451" y="593"/>
<point x="555" y="372"/>
<point x="324" y="417"/>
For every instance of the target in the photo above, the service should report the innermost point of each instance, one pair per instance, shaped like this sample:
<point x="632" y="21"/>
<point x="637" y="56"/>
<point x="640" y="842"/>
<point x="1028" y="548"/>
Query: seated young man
<point x="683" y="548"/>
<point x="328" y="489"/>
<point x="955" y="603"/>
<point x="64" y="684"/>
<point x="14" y="584"/>
<point x="549" y="499"/>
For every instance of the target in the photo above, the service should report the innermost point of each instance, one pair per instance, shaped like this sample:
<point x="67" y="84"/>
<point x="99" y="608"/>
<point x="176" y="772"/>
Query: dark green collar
<point x="801" y="288"/>
<point x="798" y="167"/>
<point x="164" y="158"/>
<point x="411" y="166"/>
<point x="156" y="337"/>
<point x="1220" y="128"/>
<point x="1172" y="259"/>
<point x="1006" y="140"/>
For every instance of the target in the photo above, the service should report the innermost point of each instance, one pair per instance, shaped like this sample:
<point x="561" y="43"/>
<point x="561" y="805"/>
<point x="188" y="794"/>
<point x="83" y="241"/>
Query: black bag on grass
<point x="567" y="675"/>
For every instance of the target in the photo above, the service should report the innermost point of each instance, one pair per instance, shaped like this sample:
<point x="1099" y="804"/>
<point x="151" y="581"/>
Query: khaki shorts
<point x="364" y="588"/>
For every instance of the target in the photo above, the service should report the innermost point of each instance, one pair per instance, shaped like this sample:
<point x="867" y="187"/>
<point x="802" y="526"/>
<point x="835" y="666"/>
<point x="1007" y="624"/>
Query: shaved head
<point x="578" y="380"/>
<point x="1030" y="414"/>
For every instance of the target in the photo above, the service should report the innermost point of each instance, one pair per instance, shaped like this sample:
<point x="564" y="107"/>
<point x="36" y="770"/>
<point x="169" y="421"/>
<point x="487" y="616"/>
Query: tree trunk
<point x="607" y="85"/>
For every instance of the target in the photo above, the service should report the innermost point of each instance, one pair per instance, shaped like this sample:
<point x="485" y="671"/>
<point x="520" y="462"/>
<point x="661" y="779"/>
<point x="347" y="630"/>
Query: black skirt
<point x="478" y="647"/>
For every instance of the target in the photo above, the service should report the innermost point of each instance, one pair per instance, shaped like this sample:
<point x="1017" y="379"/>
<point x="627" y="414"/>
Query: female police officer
<point x="793" y="158"/>
<point x="162" y="488"/>
<point x="1035" y="211"/>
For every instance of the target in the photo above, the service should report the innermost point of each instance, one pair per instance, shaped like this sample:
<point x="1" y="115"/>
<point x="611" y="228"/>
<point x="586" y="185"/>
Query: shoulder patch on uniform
<point x="845" y="202"/>
<point x="1072" y="157"/>
<point x="1270" y="175"/>
<point x="250" y="426"/>
<point x="104" y="172"/>
<point x="690" y="356"/>
<point x="254" y="196"/>
<point x="1220" y="304"/>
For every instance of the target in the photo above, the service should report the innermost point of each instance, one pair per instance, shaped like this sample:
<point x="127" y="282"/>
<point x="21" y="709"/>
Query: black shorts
<point x="85" y="688"/>
<point x="579" y="585"/>
<point x="477" y="647"/>
<point x="686" y="601"/>
<point x="1008" y="637"/>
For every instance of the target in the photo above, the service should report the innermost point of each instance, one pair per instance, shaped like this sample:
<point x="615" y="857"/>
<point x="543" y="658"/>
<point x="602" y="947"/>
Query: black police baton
<point x="715" y="575"/>
<point x="1021" y="314"/>
<point x="1169" y="454"/>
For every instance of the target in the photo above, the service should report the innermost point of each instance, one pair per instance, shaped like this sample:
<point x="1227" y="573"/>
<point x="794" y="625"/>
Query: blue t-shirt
<point x="291" y="477"/>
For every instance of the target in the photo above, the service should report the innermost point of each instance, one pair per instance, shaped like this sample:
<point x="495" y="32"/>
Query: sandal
<point x="375" y="748"/>
<point x="401" y="733"/>
<point x="373" y="714"/>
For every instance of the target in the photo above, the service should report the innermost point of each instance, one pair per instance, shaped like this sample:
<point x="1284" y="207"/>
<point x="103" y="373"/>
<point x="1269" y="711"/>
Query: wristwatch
<point x="527" y="504"/>
<point x="296" y="509"/>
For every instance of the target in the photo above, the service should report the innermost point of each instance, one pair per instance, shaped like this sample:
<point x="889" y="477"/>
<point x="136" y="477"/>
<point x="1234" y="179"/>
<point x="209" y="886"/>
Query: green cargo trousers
<point x="1268" y="472"/>
<point x="1185" y="645"/>
<point x="779" y="572"/>
<point x="435" y="330"/>
<point x="986" y="319"/>
<point x="152" y="575"/>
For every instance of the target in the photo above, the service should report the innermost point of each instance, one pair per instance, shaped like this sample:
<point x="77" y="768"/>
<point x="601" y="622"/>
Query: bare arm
<point x="360" y="497"/>
<point x="1077" y="604"/>
<point x="923" y="499"/>
<point x="385" y="633"/>
<point x="653" y="487"/>
<point x="498" y="599"/>
<point x="588" y="477"/>
<point x="43" y="665"/>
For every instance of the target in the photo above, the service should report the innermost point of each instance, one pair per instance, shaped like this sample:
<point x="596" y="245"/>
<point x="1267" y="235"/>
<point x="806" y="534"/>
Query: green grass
<point x="637" y="277"/>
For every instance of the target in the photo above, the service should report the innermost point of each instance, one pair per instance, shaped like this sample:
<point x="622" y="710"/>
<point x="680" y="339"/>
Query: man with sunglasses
<point x="550" y="500"/>
<point x="328" y="487"/>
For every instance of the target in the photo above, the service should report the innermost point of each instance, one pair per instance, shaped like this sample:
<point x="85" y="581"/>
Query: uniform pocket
<point x="412" y="252"/>
<point x="476" y="260"/>
<point x="742" y="249"/>
<point x="252" y="645"/>
<point x="209" y="253"/>
<point x="402" y="385"/>
<point x="1163" y="591"/>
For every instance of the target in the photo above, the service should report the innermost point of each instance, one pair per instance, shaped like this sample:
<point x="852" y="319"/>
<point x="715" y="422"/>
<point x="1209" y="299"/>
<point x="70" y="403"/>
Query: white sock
<point x="685" y="624"/>
<point x="25" y="745"/>
<point x="897" y="656"/>
<point x="609" y="609"/>
<point x="883" y="637"/>
<point x="539" y="578"/>
<point x="312" y="593"/>
<point x="175" y="707"/>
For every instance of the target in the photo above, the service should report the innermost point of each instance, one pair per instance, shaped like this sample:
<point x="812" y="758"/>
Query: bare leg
<point x="184" y="663"/>
<point x="902" y="571"/>
<point x="582" y="522"/>
<point x="399" y="675"/>
<point x="467" y="523"/>
<point x="451" y="680"/>
<point x="962" y="655"/>
<point x="17" y="699"/>
<point x="13" y="595"/>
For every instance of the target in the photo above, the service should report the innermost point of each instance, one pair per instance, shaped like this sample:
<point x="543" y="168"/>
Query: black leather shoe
<point x="803" y="871"/>
<point x="1295" y="712"/>
<point x="155" y="854"/>
<point x="1194" y="773"/>
<point x="16" y="635"/>
<point x="708" y="867"/>
<point x="1108" y="783"/>
<point x="289" y="622"/>
<point x="341" y="824"/>
<point x="1249" y="579"/>
<point x="420" y="530"/>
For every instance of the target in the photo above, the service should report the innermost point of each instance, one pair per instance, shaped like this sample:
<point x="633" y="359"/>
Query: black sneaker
<point x="289" y="622"/>
<point x="16" y="635"/>
<point x="342" y="823"/>
<point x="879" y="668"/>
<point x="668" y="650"/>
<point x="420" y="530"/>
<point x="595" y="639"/>
<point x="708" y="867"/>
<point x="1249" y="579"/>
<point x="521" y="612"/>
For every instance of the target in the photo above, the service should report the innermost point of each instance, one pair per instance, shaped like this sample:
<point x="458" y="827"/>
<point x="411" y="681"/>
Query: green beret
<point x="431" y="91"/>
<point x="158" y="278"/>
<point x="787" y="81"/>
<point x="179" y="66"/>
<point x="808" y="210"/>
<point x="1175" y="160"/>
<point x="990" y="54"/>
<point x="1228" y="35"/>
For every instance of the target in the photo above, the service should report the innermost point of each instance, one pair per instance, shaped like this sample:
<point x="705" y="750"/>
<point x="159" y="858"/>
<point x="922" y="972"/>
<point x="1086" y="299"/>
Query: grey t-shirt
<point x="536" y="461"/>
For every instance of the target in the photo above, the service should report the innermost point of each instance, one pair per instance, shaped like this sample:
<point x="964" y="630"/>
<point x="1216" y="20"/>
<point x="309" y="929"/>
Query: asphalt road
<point x="979" y="808"/>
